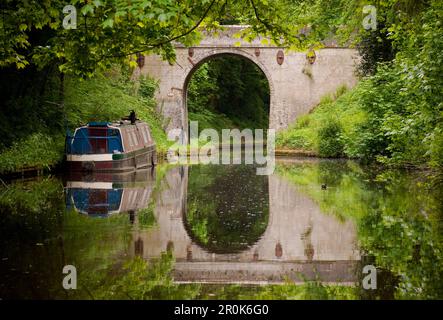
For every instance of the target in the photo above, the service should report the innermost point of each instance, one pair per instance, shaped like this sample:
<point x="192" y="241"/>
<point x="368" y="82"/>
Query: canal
<point x="223" y="232"/>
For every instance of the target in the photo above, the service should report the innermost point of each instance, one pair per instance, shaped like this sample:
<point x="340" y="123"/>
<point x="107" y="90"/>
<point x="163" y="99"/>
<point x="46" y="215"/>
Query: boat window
<point x="134" y="137"/>
<point x="144" y="133"/>
<point x="98" y="139"/>
<point x="131" y="143"/>
<point x="148" y="133"/>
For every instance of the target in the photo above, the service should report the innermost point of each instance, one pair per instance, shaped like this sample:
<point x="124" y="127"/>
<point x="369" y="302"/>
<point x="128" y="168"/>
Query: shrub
<point x="38" y="150"/>
<point x="148" y="87"/>
<point x="330" y="144"/>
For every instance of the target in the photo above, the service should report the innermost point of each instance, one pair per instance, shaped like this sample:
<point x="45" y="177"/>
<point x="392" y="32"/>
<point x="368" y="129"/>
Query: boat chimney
<point x="132" y="117"/>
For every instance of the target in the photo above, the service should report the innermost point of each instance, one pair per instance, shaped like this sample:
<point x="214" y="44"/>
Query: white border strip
<point x="89" y="185"/>
<point x="89" y="157"/>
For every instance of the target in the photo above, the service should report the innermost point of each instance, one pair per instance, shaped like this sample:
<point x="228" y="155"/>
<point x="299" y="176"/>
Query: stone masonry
<point x="296" y="85"/>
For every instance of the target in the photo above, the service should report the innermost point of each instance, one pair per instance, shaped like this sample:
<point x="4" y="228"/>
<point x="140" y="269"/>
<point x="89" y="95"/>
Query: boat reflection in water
<point x="104" y="194"/>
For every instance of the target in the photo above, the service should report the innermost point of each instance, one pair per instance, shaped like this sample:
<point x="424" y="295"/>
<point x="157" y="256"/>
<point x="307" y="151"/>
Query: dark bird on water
<point x="323" y="186"/>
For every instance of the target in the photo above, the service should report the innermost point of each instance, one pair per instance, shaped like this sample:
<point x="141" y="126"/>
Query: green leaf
<point x="108" y="23"/>
<point x="89" y="8"/>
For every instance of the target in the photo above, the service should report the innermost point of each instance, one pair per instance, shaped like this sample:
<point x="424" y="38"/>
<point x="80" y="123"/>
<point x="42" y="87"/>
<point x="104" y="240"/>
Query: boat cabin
<point x="101" y="146"/>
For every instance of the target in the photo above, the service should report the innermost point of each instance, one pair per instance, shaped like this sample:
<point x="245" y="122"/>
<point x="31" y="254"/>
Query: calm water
<point x="221" y="231"/>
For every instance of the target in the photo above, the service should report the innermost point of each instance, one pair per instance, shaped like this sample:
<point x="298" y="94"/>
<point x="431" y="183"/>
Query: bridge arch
<point x="202" y="56"/>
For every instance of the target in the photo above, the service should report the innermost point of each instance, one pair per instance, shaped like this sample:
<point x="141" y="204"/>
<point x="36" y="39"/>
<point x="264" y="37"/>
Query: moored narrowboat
<point x="111" y="146"/>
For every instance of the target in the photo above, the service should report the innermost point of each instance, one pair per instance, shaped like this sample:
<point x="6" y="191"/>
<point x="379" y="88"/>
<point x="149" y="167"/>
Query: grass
<point x="39" y="150"/>
<point x="329" y="128"/>
<point x="208" y="119"/>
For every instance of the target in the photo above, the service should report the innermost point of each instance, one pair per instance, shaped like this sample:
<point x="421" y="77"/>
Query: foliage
<point x="375" y="47"/>
<point x="147" y="87"/>
<point x="19" y="198"/>
<point x="146" y="217"/>
<point x="208" y="119"/>
<point x="398" y="217"/>
<point x="111" y="31"/>
<point x="202" y="89"/>
<point x="395" y="115"/>
<point x="140" y="279"/>
<point x="29" y="220"/>
<point x="38" y="150"/>
<point x="298" y="135"/>
<point x="39" y="236"/>
<point x="287" y="291"/>
<point x="403" y="128"/>
<point x="330" y="144"/>
<point x="318" y="20"/>
<point x="330" y="130"/>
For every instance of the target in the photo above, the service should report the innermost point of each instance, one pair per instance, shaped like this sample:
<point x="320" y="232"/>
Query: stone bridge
<point x="296" y="82"/>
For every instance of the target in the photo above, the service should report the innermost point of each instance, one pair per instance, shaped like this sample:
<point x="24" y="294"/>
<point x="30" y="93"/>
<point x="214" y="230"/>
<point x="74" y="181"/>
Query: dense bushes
<point x="330" y="144"/>
<point x="394" y="116"/>
<point x="398" y="218"/>
<point x="38" y="150"/>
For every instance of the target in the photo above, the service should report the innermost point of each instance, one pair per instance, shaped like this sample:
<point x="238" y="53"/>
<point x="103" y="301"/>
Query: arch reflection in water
<point x="224" y="225"/>
<point x="227" y="207"/>
<point x="104" y="194"/>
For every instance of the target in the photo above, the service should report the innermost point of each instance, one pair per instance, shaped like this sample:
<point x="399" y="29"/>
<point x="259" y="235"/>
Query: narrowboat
<point x="125" y="145"/>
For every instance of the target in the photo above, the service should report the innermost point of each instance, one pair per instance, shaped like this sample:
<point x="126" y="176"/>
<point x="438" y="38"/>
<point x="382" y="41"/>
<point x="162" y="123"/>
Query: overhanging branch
<point x="257" y="16"/>
<point x="159" y="44"/>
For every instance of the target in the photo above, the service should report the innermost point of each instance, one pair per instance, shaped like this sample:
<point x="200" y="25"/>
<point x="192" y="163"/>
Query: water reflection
<point x="221" y="225"/>
<point x="225" y="224"/>
<point x="227" y="207"/>
<point x="103" y="194"/>
<point x="229" y="225"/>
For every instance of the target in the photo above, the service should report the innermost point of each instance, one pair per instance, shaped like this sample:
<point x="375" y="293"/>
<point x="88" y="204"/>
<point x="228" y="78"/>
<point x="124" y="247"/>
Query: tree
<point x="110" y="31"/>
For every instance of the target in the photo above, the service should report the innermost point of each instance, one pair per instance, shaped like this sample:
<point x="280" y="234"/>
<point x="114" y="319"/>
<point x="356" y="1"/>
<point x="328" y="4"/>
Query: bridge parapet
<point x="230" y="36"/>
